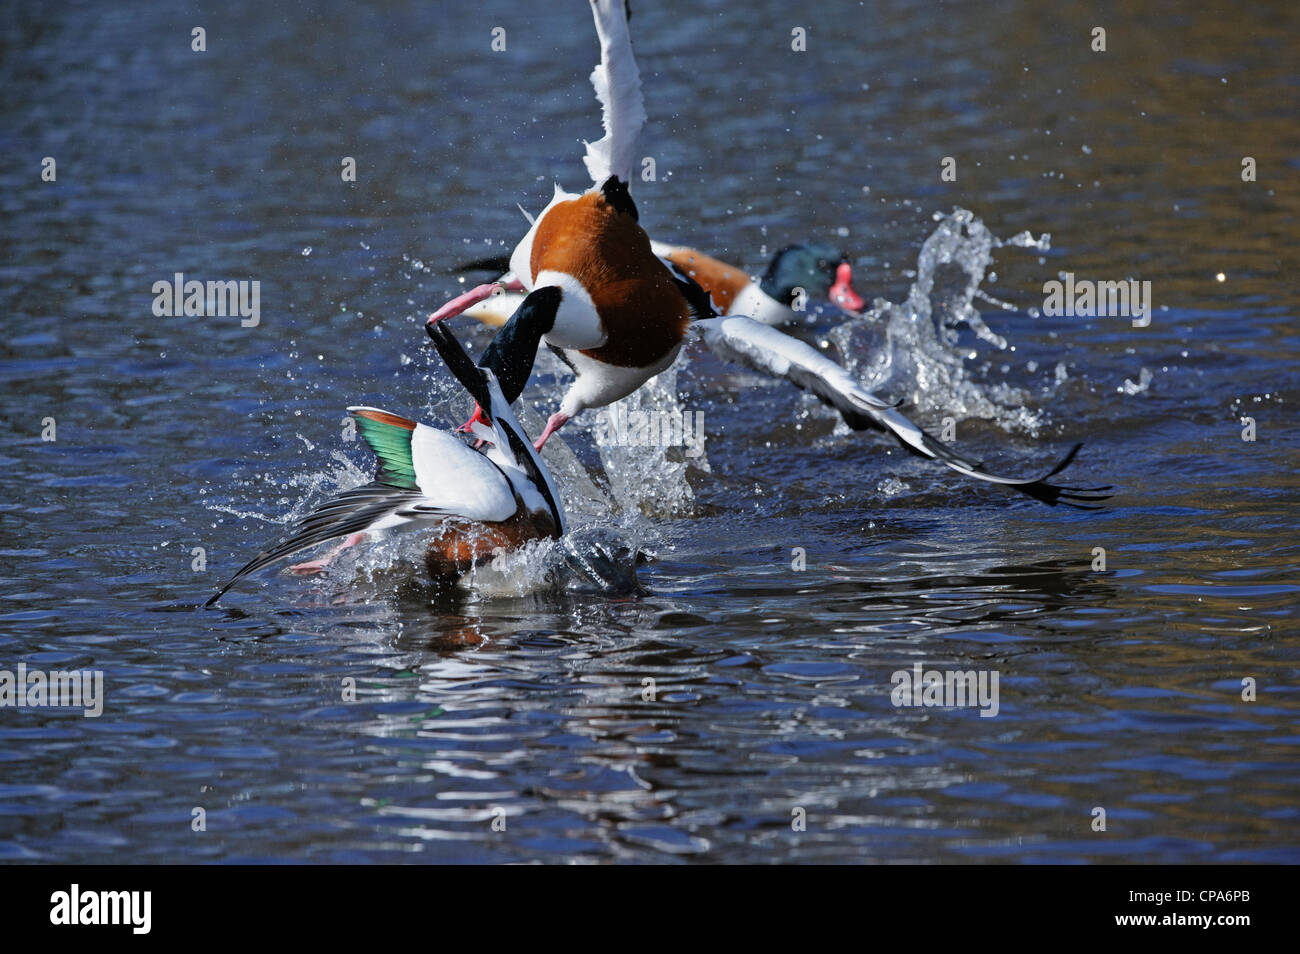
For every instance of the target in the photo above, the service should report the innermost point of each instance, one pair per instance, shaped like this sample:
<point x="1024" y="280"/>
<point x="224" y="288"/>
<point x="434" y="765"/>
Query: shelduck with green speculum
<point x="473" y="501"/>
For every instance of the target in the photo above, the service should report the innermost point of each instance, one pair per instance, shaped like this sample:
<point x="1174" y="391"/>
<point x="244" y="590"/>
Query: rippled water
<point x="1119" y="689"/>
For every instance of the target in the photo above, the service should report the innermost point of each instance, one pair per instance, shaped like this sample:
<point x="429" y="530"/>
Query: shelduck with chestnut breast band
<point x="799" y="283"/>
<point x="608" y="302"/>
<point x="596" y="292"/>
<point x="617" y="313"/>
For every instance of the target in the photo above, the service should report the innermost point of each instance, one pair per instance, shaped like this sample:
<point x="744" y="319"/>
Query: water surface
<point x="1120" y="689"/>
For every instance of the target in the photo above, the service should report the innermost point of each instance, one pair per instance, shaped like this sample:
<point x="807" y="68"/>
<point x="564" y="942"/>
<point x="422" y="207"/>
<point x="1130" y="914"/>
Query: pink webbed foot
<point x="312" y="567"/>
<point x="553" y="424"/>
<point x="466" y="301"/>
<point x="478" y="417"/>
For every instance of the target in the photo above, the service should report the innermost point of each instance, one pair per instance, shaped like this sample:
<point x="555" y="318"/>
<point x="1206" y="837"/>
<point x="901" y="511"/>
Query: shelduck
<point x="595" y="291"/>
<point x="616" y="308"/>
<point x="800" y="280"/>
<point x="471" y="502"/>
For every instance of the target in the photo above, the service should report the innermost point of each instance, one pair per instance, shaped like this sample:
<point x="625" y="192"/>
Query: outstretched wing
<point x="766" y="349"/>
<point x="363" y="508"/>
<point x="924" y="444"/>
<point x="618" y="88"/>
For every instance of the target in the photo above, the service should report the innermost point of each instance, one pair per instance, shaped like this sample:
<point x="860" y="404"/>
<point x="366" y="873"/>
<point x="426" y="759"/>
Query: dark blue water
<point x="1119" y="689"/>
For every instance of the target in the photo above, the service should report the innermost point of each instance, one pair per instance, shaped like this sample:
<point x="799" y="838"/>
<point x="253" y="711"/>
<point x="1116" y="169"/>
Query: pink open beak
<point x="842" y="293"/>
<point x="463" y="302"/>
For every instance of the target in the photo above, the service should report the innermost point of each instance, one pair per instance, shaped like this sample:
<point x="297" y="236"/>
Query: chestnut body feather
<point x="608" y="253"/>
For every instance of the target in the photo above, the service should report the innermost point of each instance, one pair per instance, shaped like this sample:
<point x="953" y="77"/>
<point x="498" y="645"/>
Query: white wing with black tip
<point x="763" y="348"/>
<point x="924" y="444"/>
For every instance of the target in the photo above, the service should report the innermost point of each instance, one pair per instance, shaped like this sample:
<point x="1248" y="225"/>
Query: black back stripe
<point x="523" y="452"/>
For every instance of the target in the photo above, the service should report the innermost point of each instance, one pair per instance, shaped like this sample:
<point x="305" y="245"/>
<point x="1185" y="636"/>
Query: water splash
<point x="590" y="557"/>
<point x="912" y="350"/>
<point x="513" y="573"/>
<point x="649" y="479"/>
<point x="1131" y="387"/>
<point x="286" y="510"/>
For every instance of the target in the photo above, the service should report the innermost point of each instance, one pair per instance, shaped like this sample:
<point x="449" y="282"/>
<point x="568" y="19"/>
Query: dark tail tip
<point x="1078" y="498"/>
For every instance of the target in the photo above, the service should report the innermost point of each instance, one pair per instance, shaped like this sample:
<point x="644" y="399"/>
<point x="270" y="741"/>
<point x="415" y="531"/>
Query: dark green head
<point x="821" y="270"/>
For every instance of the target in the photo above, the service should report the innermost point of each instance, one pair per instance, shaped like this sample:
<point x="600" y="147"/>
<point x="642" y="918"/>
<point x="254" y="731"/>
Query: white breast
<point x="577" y="323"/>
<point x="599" y="384"/>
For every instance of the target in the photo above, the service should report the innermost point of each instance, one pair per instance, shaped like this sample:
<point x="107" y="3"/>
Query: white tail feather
<point x="618" y="88"/>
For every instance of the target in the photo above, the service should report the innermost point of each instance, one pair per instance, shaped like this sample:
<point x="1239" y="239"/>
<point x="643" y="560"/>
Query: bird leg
<point x="312" y="567"/>
<point x="553" y="424"/>
<point x="478" y="418"/>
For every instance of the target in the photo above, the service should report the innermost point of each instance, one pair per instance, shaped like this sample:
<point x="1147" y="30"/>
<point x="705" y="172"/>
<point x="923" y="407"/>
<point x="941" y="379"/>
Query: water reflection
<point x="368" y="718"/>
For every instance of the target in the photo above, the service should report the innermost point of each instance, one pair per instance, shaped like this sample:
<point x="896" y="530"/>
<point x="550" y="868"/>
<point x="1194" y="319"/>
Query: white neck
<point x="753" y="302"/>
